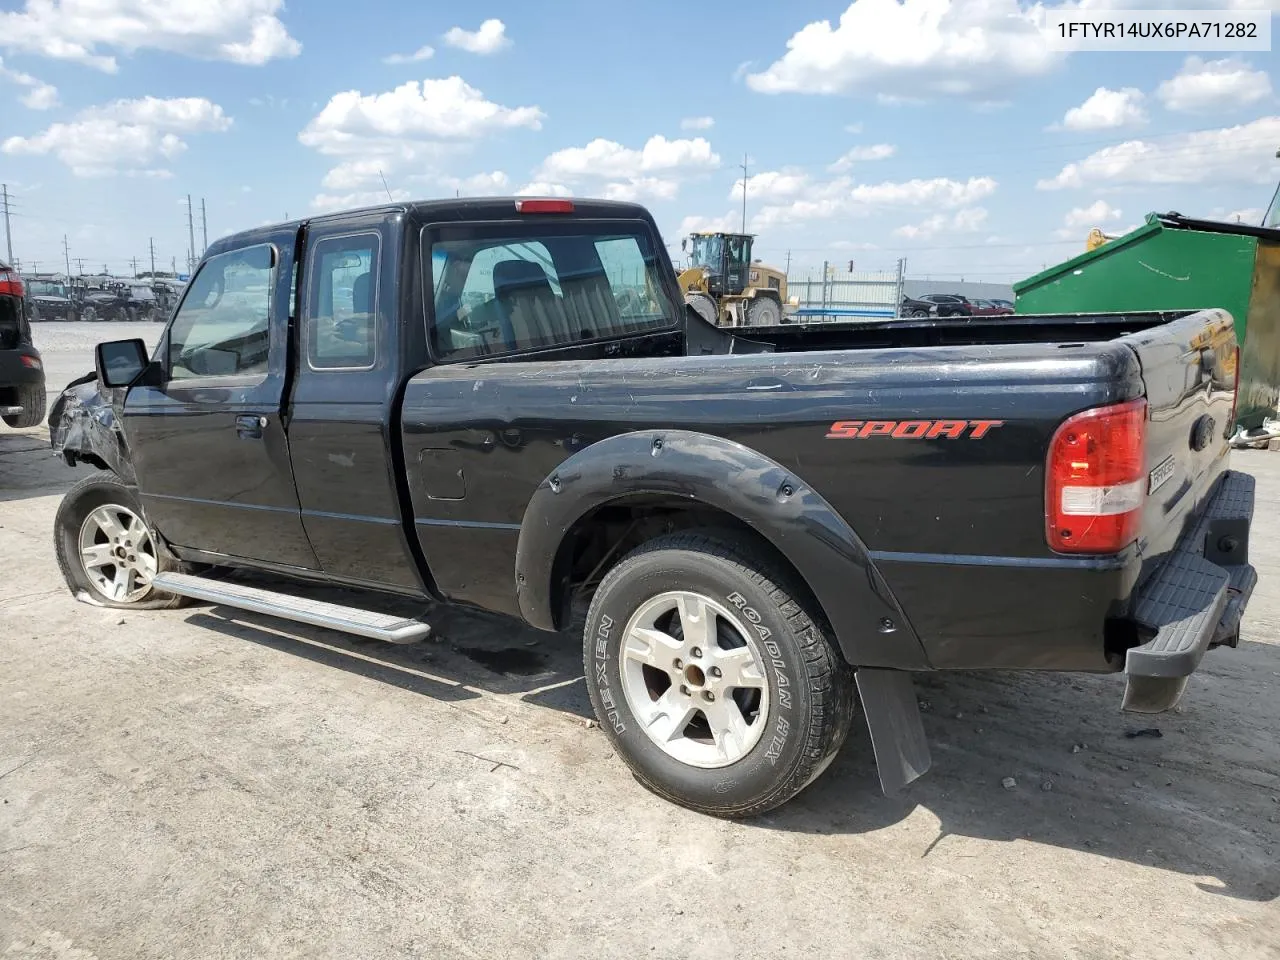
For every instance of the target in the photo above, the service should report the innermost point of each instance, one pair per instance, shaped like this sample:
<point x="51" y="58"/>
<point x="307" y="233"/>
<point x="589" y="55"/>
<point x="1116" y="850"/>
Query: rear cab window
<point x="507" y="288"/>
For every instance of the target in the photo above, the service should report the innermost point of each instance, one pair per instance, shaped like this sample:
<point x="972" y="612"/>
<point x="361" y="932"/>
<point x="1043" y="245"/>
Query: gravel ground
<point x="208" y="784"/>
<point x="67" y="348"/>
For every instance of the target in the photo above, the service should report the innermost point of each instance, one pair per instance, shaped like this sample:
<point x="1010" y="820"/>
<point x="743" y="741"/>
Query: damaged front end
<point x="84" y="427"/>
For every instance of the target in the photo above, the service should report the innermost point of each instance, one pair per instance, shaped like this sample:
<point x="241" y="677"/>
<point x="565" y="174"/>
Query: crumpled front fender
<point x="84" y="427"/>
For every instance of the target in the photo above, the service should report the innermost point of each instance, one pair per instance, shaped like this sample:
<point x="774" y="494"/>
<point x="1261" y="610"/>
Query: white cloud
<point x="325" y="202"/>
<point x="1240" y="154"/>
<point x="1249" y="215"/>
<point x="916" y="48"/>
<point x="1096" y="213"/>
<point x="542" y="188"/>
<point x="123" y="136"/>
<point x="1106" y="110"/>
<point x="1208" y="86"/>
<point x="695" y="224"/>
<point x="642" y="188"/>
<point x="240" y="31"/>
<point x="876" y="151"/>
<point x="354" y="174"/>
<point x="37" y="94"/>
<point x="479" y="185"/>
<point x="697" y="123"/>
<point x="962" y="221"/>
<point x="447" y="109"/>
<point x="773" y="186"/>
<point x="653" y="172"/>
<point x="939" y="191"/>
<point x="422" y="53"/>
<point x="854" y="128"/>
<point x="490" y="38"/>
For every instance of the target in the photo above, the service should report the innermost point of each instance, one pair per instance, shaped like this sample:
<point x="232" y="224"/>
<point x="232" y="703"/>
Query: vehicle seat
<point x="535" y="313"/>
<point x="362" y="294"/>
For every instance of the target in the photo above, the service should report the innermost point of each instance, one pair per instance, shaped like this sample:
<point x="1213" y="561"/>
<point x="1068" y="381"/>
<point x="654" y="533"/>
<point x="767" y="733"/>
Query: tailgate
<point x="1189" y="371"/>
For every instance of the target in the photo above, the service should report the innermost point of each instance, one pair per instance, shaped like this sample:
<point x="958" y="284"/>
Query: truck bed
<point x="973" y="501"/>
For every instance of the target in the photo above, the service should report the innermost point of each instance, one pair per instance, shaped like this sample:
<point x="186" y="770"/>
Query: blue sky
<point x="943" y="131"/>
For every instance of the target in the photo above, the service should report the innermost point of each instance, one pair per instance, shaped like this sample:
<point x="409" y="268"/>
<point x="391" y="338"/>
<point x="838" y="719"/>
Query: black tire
<point x="810" y="686"/>
<point x="705" y="306"/>
<point x="764" y="311"/>
<point x="104" y="489"/>
<point x="32" y="399"/>
<point x="919" y="314"/>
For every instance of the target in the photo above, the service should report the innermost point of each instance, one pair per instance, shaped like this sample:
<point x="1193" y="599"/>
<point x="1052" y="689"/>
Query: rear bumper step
<point x="317" y="613"/>
<point x="1195" y="600"/>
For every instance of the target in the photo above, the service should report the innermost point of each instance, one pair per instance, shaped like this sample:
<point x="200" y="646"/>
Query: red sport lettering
<point x="912" y="429"/>
<point x="844" y="430"/>
<point x="877" y="428"/>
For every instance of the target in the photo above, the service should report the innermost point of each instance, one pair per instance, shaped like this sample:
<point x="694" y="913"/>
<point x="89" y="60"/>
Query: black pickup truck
<point x="505" y="403"/>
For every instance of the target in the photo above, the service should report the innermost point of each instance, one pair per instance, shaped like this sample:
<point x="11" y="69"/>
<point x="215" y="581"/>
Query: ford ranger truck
<point x="504" y="403"/>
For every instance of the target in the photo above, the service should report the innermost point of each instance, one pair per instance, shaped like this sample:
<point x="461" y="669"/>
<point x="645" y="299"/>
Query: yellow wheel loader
<point x="726" y="288"/>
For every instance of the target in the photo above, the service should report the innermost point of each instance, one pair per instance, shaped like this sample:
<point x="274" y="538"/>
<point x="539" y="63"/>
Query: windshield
<point x="46" y="288"/>
<point x="707" y="251"/>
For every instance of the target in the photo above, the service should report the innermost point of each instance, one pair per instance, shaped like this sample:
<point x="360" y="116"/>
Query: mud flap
<point x="897" y="733"/>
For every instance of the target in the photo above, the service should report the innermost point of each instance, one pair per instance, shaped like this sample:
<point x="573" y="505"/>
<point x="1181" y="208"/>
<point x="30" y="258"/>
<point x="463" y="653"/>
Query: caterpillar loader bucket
<point x="1177" y="263"/>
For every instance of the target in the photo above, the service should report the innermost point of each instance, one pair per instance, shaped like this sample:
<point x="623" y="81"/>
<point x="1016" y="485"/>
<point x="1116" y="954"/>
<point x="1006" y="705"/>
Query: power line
<point x="8" y="237"/>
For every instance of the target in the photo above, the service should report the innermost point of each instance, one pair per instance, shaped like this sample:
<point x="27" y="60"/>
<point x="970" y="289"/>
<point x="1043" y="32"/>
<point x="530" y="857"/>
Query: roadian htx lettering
<point x="912" y="429"/>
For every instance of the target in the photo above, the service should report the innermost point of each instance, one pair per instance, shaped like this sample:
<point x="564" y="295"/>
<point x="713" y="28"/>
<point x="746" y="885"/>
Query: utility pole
<point x="204" y="228"/>
<point x="134" y="261"/>
<point x="788" y="263"/>
<point x="745" y="159"/>
<point x="80" y="264"/>
<point x="153" y="257"/>
<point x="173" y="262"/>
<point x="8" y="237"/>
<point x="66" y="253"/>
<point x="191" y="236"/>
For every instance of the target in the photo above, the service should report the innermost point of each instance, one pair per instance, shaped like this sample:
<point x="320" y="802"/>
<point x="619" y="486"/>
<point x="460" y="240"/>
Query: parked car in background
<point x="911" y="307"/>
<point x="50" y="297"/>
<point x="1003" y="303"/>
<point x="950" y="304"/>
<point x="22" y="395"/>
<point x="989" y="308"/>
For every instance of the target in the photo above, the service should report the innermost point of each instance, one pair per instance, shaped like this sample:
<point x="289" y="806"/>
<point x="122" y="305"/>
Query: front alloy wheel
<point x="117" y="553"/>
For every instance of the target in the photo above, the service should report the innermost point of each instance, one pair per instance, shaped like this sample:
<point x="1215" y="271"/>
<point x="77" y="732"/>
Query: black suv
<point x="22" y="396"/>
<point x="950" y="304"/>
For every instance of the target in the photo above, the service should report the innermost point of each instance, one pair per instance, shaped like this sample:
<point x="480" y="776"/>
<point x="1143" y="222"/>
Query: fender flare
<point x="869" y="624"/>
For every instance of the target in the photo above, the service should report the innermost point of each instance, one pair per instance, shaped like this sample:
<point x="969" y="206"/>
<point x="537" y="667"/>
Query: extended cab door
<point x="209" y="444"/>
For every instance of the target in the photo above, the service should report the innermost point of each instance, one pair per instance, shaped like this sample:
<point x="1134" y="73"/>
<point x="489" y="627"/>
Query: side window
<point x="221" y="330"/>
<point x="505" y="295"/>
<point x="629" y="280"/>
<point x="342" y="297"/>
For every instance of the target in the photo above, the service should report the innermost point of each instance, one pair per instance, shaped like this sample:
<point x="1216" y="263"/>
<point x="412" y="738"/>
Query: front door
<point x="209" y="444"/>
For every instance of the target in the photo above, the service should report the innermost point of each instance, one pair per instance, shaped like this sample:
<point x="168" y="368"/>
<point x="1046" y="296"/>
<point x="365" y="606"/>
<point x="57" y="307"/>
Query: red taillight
<point x="32" y="362"/>
<point x="11" y="283"/>
<point x="544" y="206"/>
<point x="1096" y="486"/>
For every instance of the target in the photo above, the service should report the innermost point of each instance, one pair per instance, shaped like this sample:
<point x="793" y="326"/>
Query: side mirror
<point x="120" y="362"/>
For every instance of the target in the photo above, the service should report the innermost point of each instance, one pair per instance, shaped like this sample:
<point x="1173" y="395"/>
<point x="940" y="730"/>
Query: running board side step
<point x="317" y="613"/>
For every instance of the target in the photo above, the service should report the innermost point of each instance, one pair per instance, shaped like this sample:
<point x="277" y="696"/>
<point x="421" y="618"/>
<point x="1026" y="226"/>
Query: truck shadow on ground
<point x="1202" y="799"/>
<point x="28" y="467"/>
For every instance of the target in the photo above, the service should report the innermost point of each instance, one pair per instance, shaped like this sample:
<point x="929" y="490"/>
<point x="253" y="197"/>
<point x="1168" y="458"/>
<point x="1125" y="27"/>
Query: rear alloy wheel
<point x="919" y="314"/>
<point x="107" y="553"/>
<point x="714" y="675"/>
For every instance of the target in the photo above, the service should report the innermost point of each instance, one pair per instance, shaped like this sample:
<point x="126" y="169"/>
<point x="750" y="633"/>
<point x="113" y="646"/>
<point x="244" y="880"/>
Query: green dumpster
<point x="1177" y="263"/>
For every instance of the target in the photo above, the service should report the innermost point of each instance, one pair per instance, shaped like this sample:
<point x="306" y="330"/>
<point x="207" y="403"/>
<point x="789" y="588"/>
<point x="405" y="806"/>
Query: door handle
<point x="250" y="428"/>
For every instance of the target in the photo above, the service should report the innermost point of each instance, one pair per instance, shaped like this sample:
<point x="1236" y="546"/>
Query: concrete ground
<point x="207" y="784"/>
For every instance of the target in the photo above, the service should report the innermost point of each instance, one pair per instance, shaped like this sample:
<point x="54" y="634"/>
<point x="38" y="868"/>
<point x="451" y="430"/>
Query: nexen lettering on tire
<point x="602" y="675"/>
